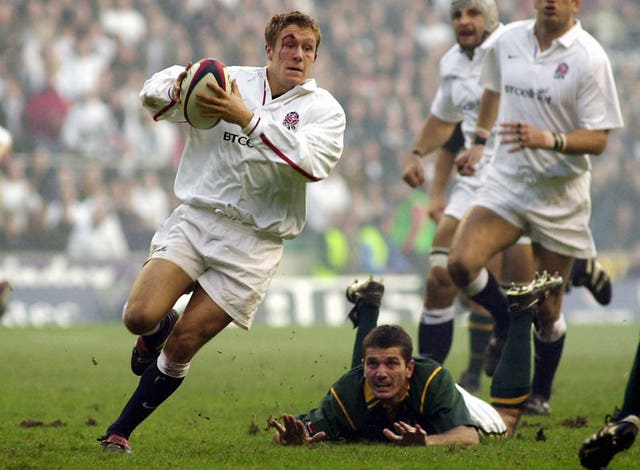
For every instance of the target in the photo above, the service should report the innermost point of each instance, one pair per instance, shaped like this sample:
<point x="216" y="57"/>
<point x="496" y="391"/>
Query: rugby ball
<point x="198" y="75"/>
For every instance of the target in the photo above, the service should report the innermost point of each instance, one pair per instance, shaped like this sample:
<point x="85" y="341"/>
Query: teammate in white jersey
<point x="550" y="86"/>
<point x="476" y="27"/>
<point x="242" y="188"/>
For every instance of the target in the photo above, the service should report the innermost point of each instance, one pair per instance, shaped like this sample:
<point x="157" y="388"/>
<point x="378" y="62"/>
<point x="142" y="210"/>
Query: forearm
<point x="433" y="134"/>
<point x="488" y="111"/>
<point x="460" y="435"/>
<point x="579" y="142"/>
<point x="441" y="172"/>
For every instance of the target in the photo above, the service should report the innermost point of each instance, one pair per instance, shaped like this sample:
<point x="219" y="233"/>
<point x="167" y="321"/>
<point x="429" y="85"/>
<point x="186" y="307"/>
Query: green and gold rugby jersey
<point x="351" y="411"/>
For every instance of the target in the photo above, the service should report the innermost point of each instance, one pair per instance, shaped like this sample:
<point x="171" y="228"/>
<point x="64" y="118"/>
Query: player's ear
<point x="410" y="368"/>
<point x="268" y="51"/>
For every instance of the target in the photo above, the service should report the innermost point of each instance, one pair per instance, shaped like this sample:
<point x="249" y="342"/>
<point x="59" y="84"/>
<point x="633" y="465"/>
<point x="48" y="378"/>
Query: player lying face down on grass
<point x="378" y="401"/>
<point x="390" y="396"/>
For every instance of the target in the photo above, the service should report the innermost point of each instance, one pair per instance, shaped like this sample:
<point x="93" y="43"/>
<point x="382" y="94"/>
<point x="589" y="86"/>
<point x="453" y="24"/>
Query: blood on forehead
<point x="303" y="36"/>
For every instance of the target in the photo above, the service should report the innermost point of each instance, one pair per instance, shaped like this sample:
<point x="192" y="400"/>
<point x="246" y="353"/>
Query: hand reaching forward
<point x="407" y="435"/>
<point x="466" y="161"/>
<point x="293" y="432"/>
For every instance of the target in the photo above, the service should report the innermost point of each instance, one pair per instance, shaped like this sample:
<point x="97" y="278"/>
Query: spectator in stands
<point x="387" y="91"/>
<point x="124" y="21"/>
<point x="85" y="56"/>
<point x="12" y="102"/>
<point x="97" y="233"/>
<point x="20" y="204"/>
<point x="41" y="173"/>
<point x="59" y="211"/>
<point x="45" y="113"/>
<point x="150" y="201"/>
<point x="90" y="129"/>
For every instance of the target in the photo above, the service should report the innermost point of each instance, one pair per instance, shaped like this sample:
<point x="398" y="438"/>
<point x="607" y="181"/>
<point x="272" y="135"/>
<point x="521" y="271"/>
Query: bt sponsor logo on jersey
<point x="541" y="94"/>
<point x="237" y="139"/>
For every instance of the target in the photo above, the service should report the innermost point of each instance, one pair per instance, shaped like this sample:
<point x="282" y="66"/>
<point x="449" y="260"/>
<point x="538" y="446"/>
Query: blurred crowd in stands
<point x="90" y="173"/>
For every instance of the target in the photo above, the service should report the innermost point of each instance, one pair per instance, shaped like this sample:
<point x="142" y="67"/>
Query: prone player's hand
<point x="406" y="435"/>
<point x="292" y="432"/>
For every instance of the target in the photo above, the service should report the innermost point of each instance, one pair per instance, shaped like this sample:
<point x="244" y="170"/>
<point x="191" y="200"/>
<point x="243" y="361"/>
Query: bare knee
<point x="440" y="288"/>
<point x="459" y="272"/>
<point x="137" y="319"/>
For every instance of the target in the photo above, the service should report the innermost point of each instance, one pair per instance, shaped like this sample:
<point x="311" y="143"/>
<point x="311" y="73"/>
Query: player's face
<point x="556" y="15"/>
<point x="291" y="61"/>
<point x="469" y="25"/>
<point x="387" y="373"/>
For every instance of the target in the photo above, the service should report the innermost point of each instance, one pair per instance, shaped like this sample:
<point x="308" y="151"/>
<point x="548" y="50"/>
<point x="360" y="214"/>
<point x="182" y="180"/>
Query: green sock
<point x="631" y="404"/>
<point x="480" y="328"/>
<point x="511" y="382"/>
<point x="367" y="321"/>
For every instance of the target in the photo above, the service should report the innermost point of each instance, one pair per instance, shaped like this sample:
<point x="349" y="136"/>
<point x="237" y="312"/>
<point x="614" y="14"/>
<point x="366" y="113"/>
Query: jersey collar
<point x="371" y="400"/>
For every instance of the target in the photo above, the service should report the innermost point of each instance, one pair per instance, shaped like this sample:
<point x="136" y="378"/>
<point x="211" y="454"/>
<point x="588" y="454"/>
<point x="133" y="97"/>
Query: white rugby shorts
<point x="460" y="200"/>
<point x="233" y="263"/>
<point x="554" y="212"/>
<point x="487" y="419"/>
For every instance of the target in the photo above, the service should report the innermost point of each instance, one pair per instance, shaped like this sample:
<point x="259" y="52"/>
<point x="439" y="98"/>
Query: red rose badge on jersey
<point x="291" y="121"/>
<point x="561" y="71"/>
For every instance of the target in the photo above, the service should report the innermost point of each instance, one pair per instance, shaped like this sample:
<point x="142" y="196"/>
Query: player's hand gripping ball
<point x="198" y="75"/>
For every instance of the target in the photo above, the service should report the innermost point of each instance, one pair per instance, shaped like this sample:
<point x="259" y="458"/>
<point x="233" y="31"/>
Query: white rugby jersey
<point x="569" y="86"/>
<point x="258" y="174"/>
<point x="459" y="93"/>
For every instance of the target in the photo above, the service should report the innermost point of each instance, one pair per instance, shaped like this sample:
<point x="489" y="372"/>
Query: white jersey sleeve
<point x="156" y="95"/>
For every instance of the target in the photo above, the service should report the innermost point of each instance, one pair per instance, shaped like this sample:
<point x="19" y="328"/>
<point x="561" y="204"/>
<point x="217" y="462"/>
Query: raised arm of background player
<point x="444" y="159"/>
<point x="433" y="134"/>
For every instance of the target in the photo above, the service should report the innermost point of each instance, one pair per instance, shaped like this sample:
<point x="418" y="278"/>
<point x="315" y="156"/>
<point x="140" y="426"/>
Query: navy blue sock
<point x="434" y="341"/>
<point x="493" y="299"/>
<point x="547" y="358"/>
<point x="154" y="388"/>
<point x="166" y="324"/>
